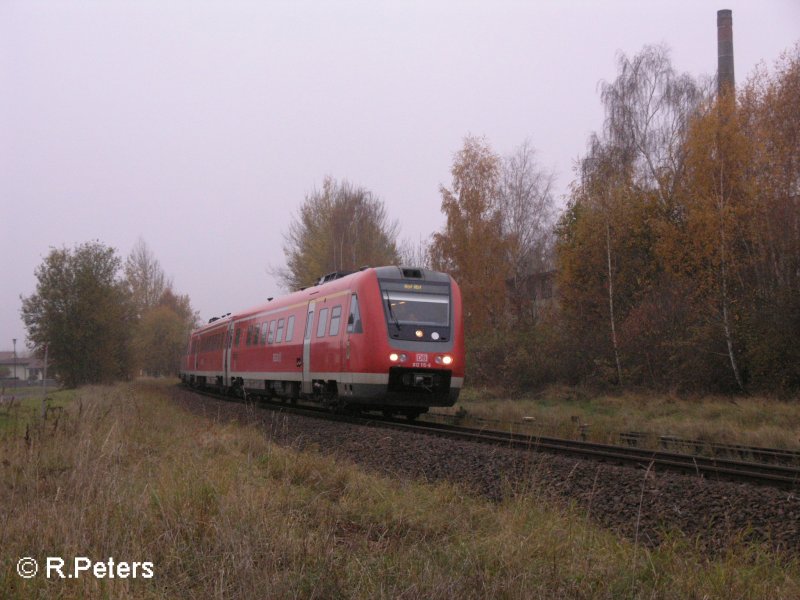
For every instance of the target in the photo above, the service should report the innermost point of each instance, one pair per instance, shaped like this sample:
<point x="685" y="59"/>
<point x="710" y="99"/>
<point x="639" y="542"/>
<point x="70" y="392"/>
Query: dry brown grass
<point x="221" y="512"/>
<point x="753" y="421"/>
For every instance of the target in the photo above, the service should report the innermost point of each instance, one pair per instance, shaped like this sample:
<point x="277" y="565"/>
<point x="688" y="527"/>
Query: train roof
<point x="330" y="282"/>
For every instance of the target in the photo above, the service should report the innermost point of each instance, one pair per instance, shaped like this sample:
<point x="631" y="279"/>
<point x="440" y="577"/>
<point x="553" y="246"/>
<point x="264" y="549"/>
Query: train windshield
<point x="418" y="309"/>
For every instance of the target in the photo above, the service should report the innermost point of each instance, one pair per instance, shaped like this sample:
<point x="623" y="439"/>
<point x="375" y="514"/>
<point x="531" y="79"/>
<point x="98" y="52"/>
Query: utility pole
<point x="14" y="340"/>
<point x="44" y="386"/>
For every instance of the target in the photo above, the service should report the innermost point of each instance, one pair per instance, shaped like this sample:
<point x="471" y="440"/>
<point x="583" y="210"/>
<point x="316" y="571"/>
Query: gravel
<point x="637" y="503"/>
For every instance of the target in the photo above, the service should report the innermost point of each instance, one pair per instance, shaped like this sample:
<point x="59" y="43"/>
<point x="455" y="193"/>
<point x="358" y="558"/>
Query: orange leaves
<point x="472" y="247"/>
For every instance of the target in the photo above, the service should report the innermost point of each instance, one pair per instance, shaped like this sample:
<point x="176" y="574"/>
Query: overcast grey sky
<point x="200" y="126"/>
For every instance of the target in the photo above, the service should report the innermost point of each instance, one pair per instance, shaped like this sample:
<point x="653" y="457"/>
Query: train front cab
<point x="414" y="341"/>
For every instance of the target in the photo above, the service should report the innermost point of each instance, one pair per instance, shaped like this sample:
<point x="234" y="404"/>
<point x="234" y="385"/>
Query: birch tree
<point x="713" y="247"/>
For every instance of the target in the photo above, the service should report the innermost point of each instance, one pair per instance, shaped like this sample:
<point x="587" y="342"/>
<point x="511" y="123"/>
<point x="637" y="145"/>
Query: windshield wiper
<point x="391" y="313"/>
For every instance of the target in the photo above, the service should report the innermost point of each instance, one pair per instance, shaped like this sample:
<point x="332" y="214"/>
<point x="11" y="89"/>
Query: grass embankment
<point x="750" y="421"/>
<point x="221" y="512"/>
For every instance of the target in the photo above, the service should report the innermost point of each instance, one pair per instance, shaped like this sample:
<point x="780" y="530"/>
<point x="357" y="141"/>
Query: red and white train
<point x="387" y="338"/>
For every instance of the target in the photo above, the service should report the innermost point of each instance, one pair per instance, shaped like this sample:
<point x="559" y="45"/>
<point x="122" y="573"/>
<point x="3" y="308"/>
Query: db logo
<point x="421" y="358"/>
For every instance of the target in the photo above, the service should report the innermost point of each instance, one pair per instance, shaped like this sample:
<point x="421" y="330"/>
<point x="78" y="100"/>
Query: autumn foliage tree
<point x="80" y="311"/>
<point x="770" y="119"/>
<point x="610" y="276"/>
<point x="472" y="247"/>
<point x="679" y="251"/>
<point x="96" y="325"/>
<point x="162" y="319"/>
<point x="708" y="248"/>
<point x="162" y="332"/>
<point x="497" y="235"/>
<point x="341" y="227"/>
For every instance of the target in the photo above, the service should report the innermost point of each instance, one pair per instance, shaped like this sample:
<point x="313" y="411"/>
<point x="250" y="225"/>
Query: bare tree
<point x="527" y="207"/>
<point x="144" y="277"/>
<point x="648" y="107"/>
<point x="415" y="254"/>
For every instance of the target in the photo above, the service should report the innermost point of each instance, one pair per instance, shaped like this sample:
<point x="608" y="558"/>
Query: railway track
<point x="782" y="476"/>
<point x="754" y="473"/>
<point x="757" y="454"/>
<point x="654" y="441"/>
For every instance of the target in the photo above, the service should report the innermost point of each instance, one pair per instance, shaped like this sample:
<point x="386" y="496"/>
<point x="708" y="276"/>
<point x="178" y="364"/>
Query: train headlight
<point x="394" y="357"/>
<point x="447" y="359"/>
<point x="419" y="333"/>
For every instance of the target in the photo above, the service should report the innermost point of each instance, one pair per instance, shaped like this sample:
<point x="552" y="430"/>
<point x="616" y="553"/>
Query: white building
<point x="22" y="368"/>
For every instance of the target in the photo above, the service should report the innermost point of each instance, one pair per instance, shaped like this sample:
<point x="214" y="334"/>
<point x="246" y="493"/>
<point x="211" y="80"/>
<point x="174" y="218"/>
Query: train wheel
<point x="330" y="398"/>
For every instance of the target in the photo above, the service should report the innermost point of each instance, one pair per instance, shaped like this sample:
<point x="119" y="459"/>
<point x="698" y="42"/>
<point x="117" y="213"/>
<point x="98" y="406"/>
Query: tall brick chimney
<point x="725" y="79"/>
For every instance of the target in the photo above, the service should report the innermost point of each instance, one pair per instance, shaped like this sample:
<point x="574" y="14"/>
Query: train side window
<point x="279" y="336"/>
<point x="354" y="320"/>
<point x="238" y="335"/>
<point x="271" y="332"/>
<point x="256" y="330"/>
<point x="323" y="321"/>
<point x="336" y="317"/>
<point x="264" y="327"/>
<point x="309" y="322"/>
<point x="290" y="328"/>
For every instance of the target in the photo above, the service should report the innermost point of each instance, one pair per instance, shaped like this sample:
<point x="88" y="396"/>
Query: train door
<point x="352" y="325"/>
<point x="226" y="355"/>
<point x="307" y="383"/>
